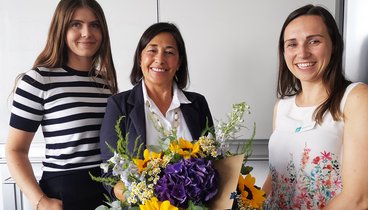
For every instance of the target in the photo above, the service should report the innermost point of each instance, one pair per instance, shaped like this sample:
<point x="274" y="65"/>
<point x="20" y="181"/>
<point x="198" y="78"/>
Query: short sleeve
<point x="27" y="106"/>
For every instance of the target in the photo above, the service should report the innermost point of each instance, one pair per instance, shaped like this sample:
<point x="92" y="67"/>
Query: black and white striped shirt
<point x="69" y="105"/>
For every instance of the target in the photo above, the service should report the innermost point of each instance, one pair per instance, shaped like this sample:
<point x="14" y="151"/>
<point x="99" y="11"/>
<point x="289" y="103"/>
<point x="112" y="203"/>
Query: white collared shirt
<point x="167" y="121"/>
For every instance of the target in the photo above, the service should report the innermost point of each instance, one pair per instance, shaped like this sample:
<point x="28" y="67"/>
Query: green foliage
<point x="111" y="181"/>
<point x="248" y="147"/>
<point x="137" y="150"/>
<point x="246" y="169"/>
<point x="192" y="206"/>
<point x="176" y="158"/>
<point x="208" y="130"/>
<point x="122" y="143"/>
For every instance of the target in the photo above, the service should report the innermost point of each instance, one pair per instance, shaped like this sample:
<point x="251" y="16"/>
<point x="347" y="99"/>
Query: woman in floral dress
<point x="319" y="148"/>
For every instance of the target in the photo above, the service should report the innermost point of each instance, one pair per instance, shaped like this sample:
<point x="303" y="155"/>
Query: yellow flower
<point x="148" y="156"/>
<point x="250" y="195"/>
<point x="154" y="204"/>
<point x="185" y="148"/>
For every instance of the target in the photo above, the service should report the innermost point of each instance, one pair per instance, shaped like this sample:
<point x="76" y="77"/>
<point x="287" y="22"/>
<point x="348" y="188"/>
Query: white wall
<point x="232" y="51"/>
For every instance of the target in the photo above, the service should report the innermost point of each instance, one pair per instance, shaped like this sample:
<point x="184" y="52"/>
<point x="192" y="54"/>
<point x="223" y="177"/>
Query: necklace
<point x="157" y="123"/>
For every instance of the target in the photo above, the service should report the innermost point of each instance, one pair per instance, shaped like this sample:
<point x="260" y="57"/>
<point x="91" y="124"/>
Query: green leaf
<point x="154" y="148"/>
<point x="111" y="181"/>
<point x="246" y="170"/>
<point x="192" y="206"/>
<point x="165" y="143"/>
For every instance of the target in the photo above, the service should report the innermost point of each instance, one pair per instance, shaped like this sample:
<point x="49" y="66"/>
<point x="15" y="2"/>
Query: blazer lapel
<point x="137" y="114"/>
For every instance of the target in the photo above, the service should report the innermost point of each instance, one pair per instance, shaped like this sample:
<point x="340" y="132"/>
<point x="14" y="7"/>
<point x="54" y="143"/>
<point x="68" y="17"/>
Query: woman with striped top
<point x="65" y="93"/>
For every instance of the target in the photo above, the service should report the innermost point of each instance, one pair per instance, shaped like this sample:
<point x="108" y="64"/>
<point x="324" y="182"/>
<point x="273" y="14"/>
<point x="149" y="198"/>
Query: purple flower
<point x="194" y="179"/>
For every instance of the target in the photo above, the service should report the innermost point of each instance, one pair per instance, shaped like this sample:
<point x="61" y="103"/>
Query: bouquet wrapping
<point x="229" y="170"/>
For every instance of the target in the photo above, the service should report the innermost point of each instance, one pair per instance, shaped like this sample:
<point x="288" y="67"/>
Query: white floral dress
<point x="304" y="157"/>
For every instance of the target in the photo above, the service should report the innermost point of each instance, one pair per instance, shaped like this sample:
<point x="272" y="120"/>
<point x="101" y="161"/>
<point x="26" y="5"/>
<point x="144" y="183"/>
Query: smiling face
<point x="83" y="36"/>
<point x="307" y="48"/>
<point x="160" y="61"/>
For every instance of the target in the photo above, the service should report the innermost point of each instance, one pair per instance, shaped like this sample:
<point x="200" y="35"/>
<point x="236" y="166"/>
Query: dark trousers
<point x="76" y="189"/>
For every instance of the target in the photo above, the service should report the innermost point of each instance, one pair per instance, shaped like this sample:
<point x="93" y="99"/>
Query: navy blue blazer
<point x="131" y="105"/>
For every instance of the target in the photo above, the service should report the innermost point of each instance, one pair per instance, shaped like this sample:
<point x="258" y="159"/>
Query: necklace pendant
<point x="157" y="122"/>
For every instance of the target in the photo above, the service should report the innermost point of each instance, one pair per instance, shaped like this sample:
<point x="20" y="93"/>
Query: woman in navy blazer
<point x="131" y="105"/>
<point x="159" y="75"/>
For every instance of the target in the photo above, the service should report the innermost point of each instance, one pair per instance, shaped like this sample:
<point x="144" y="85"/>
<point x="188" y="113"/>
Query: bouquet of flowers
<point x="181" y="174"/>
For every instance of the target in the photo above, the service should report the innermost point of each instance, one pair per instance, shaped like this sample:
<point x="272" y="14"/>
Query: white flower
<point x="227" y="131"/>
<point x="115" y="158"/>
<point x="104" y="167"/>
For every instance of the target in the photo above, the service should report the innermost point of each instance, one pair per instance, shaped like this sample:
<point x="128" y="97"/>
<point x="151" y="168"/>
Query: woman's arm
<point x="354" y="194"/>
<point x="267" y="185"/>
<point x="17" y="148"/>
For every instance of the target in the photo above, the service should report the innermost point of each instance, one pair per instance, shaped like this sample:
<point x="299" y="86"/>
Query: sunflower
<point x="154" y="204"/>
<point x="148" y="156"/>
<point x="250" y="195"/>
<point x="185" y="148"/>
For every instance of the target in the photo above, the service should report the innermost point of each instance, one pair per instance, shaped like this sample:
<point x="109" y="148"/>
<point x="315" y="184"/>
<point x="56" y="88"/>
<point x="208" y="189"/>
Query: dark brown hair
<point x="333" y="78"/>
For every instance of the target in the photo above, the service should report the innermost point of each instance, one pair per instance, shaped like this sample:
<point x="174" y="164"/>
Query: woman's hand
<point x="47" y="203"/>
<point x="119" y="189"/>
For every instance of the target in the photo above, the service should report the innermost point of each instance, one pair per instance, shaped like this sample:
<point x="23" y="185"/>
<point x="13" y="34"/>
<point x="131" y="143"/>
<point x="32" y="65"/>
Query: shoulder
<point x="283" y="105"/>
<point x="276" y="105"/>
<point x="198" y="101"/>
<point x="285" y="102"/>
<point x="357" y="99"/>
<point x="39" y="73"/>
<point x="274" y="116"/>
<point x="122" y="96"/>
<point x="132" y="96"/>
<point x="34" y="74"/>
<point x="359" y="92"/>
<point x="31" y="78"/>
<point x="360" y="89"/>
<point x="193" y="96"/>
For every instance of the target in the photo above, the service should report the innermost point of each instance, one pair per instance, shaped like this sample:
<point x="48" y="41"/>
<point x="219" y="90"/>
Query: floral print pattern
<point x="317" y="180"/>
